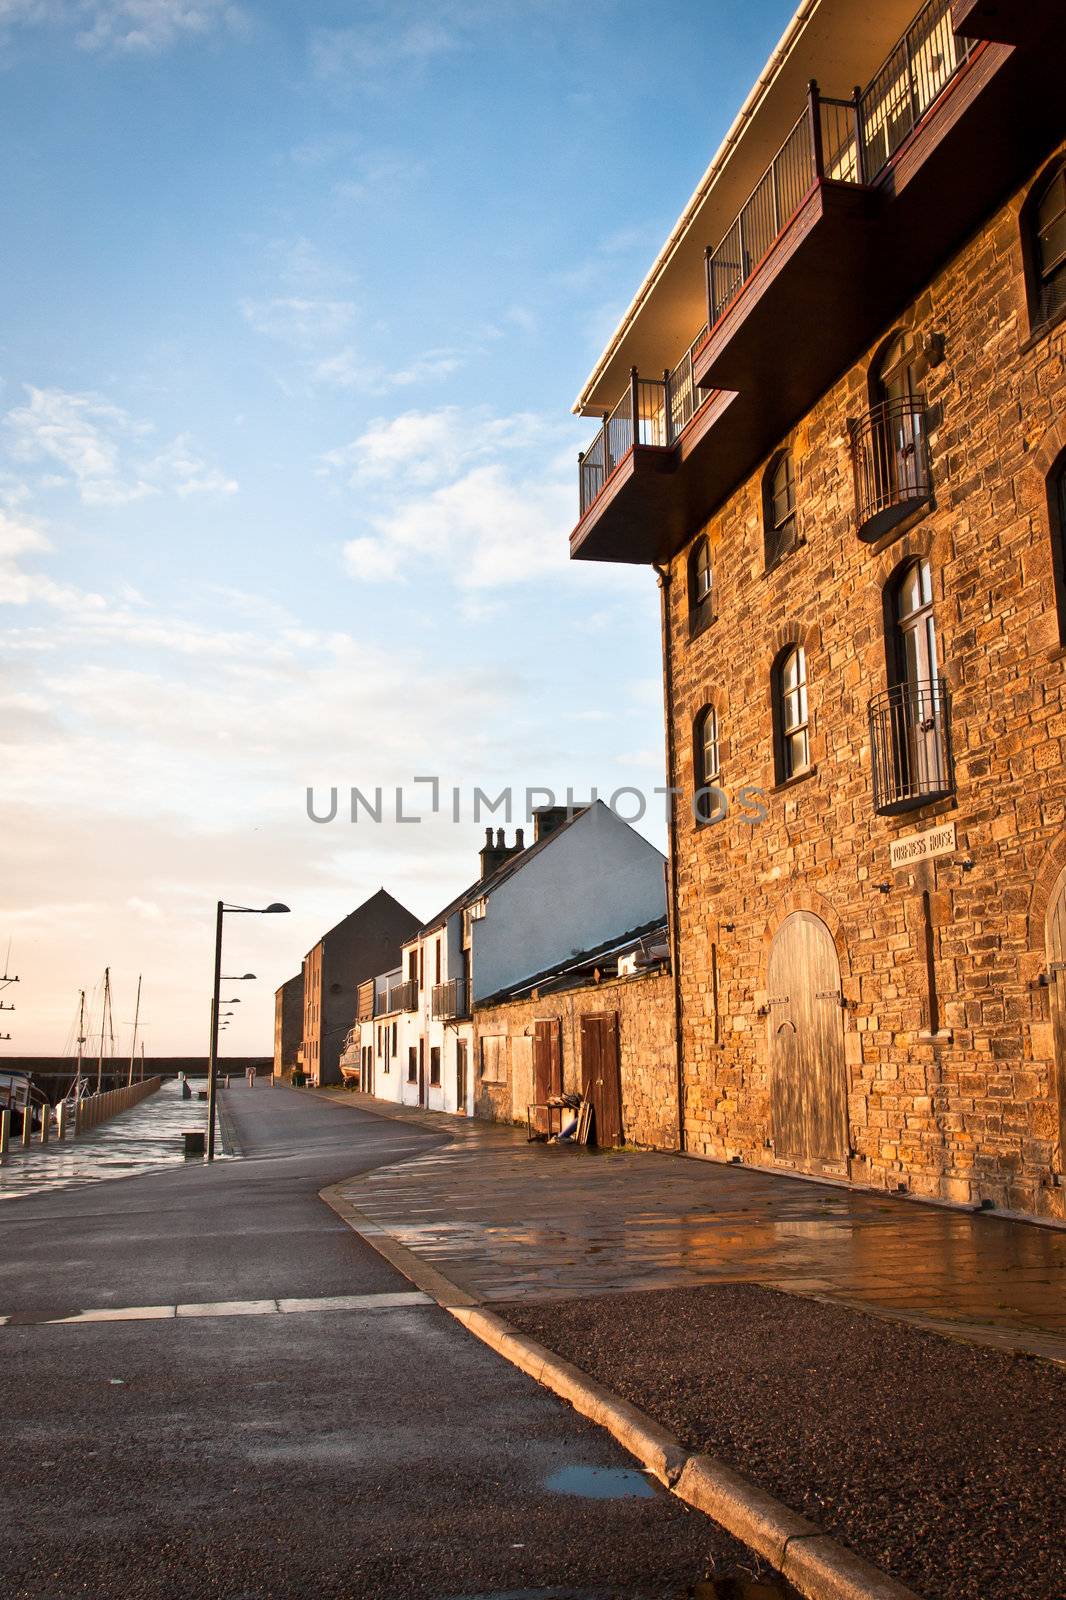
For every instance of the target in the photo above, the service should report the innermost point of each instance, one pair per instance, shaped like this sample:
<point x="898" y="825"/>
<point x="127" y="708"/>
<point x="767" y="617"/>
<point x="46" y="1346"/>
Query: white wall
<point x="594" y="881"/>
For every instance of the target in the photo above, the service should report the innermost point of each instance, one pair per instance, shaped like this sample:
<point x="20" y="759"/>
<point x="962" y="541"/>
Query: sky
<point x="296" y="300"/>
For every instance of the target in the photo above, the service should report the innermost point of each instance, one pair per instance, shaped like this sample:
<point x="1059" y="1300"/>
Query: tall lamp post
<point x="212" y="1061"/>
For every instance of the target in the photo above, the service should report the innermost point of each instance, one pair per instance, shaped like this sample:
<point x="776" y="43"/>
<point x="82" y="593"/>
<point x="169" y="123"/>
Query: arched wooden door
<point x="1056" y="955"/>
<point x="808" y="1079"/>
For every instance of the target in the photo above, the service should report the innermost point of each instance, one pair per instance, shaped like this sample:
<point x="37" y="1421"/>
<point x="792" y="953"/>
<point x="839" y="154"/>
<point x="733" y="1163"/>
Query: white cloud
<point x="135" y="27"/>
<point x="103" y="451"/>
<point x="489" y="528"/>
<point x="305" y="322"/>
<point x="381" y="45"/>
<point x="424" y="447"/>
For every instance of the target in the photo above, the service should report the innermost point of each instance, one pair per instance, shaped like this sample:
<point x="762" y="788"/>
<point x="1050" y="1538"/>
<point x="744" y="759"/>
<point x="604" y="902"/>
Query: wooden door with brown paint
<point x="547" y="1065"/>
<point x="601" y="1077"/>
<point x="808" y="1077"/>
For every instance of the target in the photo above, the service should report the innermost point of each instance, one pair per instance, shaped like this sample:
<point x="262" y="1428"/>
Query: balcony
<point x="807" y="235"/>
<point x="864" y="201"/>
<point x="402" y="996"/>
<point x="890" y="461"/>
<point x="910" y="746"/>
<point x="1005" y="21"/>
<point x="449" y="1000"/>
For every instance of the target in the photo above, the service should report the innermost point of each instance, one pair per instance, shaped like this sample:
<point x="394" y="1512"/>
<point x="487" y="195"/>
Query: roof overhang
<point x="841" y="43"/>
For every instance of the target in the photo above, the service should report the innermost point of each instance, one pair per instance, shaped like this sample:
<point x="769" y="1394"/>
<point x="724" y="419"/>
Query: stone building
<point x="288" y="1023"/>
<point x="834" y="421"/>
<point x="602" y="1026"/>
<point x="585" y="881"/>
<point x="366" y="942"/>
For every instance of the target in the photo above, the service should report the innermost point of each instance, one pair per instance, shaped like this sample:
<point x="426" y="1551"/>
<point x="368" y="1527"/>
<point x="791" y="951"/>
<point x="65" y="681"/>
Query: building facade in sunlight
<point x="540" y="917"/>
<point x="363" y="943"/>
<point x="833" y="418"/>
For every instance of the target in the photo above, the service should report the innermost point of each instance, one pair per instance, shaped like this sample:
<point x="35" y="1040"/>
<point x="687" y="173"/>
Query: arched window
<point x="707" y="763"/>
<point x="912" y="652"/>
<point x="791" y="726"/>
<point x="700" y="586"/>
<point x="1056" y="496"/>
<point x="1045" y="220"/>
<point x="779" y="508"/>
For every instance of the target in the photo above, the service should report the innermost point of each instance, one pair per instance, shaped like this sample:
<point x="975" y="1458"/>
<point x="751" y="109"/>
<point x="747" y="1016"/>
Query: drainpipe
<point x="671" y="819"/>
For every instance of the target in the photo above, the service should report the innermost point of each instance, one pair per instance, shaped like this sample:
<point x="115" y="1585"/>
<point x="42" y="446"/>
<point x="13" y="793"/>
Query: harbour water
<point x="146" y="1137"/>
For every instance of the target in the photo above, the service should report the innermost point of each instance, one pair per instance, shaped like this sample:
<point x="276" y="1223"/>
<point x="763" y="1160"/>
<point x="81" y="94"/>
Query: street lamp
<point x="212" y="1063"/>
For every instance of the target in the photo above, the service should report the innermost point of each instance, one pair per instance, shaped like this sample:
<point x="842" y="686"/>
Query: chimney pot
<point x="499" y="839"/>
<point x="488" y="837"/>
<point x="520" y="838"/>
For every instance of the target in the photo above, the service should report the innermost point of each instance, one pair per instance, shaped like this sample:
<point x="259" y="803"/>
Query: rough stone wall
<point x="972" y="1113"/>
<point x="645" y="1007"/>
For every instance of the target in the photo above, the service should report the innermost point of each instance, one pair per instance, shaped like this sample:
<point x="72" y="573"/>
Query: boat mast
<point x="136" y="1014"/>
<point x="105" y="1008"/>
<point x="81" y="1028"/>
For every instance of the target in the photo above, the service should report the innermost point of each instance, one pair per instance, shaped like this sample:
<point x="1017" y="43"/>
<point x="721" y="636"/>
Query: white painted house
<point x="586" y="878"/>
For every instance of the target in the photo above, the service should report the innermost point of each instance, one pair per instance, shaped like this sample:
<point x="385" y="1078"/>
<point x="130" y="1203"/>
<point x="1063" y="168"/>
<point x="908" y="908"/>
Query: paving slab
<point x="508" y="1220"/>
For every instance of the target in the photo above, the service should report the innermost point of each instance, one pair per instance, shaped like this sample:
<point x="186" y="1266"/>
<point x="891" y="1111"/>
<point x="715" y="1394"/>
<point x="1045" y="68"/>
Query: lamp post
<point x="212" y="1061"/>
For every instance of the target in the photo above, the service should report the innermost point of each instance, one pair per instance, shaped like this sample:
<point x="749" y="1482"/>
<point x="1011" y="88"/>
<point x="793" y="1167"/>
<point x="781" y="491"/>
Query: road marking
<point x="229" y="1308"/>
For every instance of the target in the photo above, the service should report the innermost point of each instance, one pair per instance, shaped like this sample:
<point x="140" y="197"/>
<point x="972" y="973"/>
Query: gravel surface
<point x="942" y="1463"/>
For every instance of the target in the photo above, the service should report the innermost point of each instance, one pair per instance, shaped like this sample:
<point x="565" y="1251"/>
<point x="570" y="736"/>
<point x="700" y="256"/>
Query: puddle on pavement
<point x="601" y="1483"/>
<point x="732" y="1587"/>
<point x="739" y="1588"/>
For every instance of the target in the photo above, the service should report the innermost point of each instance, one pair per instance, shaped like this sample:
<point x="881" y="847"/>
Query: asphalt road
<point x="370" y="1452"/>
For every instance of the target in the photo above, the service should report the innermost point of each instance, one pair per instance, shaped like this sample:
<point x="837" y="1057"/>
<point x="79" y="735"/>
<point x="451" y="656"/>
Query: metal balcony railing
<point x="449" y="999"/>
<point x="910" y="746"/>
<point x="838" y="141"/>
<point x="890" y="461"/>
<point x="403" y="996"/>
<point x="842" y="141"/>
<point x="663" y="408"/>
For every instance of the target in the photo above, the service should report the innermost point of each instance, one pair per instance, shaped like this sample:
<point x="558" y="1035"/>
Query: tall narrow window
<point x="1047" y="221"/>
<point x="700" y="587"/>
<point x="931" y="997"/>
<point x="779" y="508"/>
<point x="1056" y="494"/>
<point x="914" y="757"/>
<point x="707" y="766"/>
<point x="790" y="713"/>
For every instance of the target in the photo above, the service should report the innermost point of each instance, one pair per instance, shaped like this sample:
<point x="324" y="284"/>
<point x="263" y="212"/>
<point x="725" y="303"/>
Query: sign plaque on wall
<point x="923" y="846"/>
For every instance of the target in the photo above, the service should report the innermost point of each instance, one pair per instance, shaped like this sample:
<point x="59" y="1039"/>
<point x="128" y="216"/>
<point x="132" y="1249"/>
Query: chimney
<point x="493" y="855"/>
<point x="546" y="819"/>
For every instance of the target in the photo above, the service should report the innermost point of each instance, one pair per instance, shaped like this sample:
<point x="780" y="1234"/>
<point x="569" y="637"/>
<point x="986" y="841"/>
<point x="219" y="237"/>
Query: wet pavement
<point x="294" y="1420"/>
<point x="508" y="1220"/>
<point x="142" y="1139"/>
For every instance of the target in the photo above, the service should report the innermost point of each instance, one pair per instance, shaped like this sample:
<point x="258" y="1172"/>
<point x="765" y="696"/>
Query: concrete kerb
<point x="816" y="1565"/>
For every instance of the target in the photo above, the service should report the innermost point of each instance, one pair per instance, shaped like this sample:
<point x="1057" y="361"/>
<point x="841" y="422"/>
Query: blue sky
<point x="297" y="301"/>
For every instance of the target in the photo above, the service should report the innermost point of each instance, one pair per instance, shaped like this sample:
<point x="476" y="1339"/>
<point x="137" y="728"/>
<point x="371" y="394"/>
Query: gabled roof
<point x="379" y="901"/>
<point x="484" y="886"/>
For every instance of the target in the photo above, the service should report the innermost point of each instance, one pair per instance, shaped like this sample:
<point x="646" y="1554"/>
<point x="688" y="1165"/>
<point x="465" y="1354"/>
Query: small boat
<point x="19" y="1095"/>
